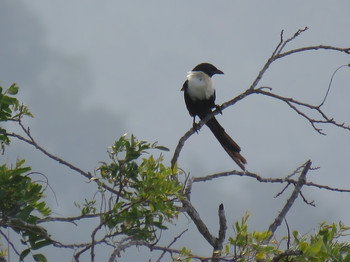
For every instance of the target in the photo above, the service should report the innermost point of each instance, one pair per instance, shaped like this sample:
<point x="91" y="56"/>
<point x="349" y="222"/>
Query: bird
<point x="199" y="94"/>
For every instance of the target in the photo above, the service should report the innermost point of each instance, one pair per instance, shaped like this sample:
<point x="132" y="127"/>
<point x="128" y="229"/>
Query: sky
<point x="91" y="71"/>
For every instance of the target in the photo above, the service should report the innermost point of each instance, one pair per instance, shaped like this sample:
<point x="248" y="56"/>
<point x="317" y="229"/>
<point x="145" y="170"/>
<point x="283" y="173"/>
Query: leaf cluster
<point x="246" y="246"/>
<point x="21" y="207"/>
<point x="144" y="193"/>
<point x="324" y="245"/>
<point x="10" y="110"/>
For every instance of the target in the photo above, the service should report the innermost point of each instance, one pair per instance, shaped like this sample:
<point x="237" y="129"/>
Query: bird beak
<point x="219" y="72"/>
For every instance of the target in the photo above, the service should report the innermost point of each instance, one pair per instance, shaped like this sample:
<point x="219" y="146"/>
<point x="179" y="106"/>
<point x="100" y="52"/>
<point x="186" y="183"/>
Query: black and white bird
<point x="199" y="95"/>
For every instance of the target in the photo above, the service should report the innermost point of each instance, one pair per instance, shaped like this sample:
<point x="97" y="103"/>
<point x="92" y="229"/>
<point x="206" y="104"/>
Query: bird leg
<point x="195" y="126"/>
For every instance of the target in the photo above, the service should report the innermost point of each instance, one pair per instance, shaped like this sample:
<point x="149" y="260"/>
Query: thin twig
<point x="10" y="243"/>
<point x="171" y="243"/>
<point x="330" y="84"/>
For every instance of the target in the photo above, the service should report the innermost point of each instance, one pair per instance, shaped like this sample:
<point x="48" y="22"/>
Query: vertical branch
<point x="219" y="242"/>
<point x="292" y="198"/>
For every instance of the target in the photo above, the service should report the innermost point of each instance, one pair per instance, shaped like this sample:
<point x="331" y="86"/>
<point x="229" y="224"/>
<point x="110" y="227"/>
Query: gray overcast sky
<point x="93" y="70"/>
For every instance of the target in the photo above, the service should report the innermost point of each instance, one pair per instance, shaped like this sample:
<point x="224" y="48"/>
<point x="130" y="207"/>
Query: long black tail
<point x="227" y="142"/>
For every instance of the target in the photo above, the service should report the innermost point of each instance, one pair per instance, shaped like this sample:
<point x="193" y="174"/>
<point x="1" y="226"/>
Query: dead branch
<point x="219" y="243"/>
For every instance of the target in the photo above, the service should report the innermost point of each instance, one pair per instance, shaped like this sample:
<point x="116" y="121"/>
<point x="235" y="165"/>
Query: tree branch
<point x="219" y="242"/>
<point x="287" y="253"/>
<point x="32" y="142"/>
<point x="202" y="228"/>
<point x="287" y="180"/>
<point x="292" y="102"/>
<point x="292" y="198"/>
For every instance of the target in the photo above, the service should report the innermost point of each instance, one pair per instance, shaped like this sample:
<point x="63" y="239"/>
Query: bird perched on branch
<point x="199" y="95"/>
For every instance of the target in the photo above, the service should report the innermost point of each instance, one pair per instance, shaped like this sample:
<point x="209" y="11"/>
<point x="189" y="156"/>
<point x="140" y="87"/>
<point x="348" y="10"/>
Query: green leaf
<point x="24" y="253"/>
<point x="163" y="148"/>
<point x="41" y="244"/>
<point x="315" y="248"/>
<point x="39" y="258"/>
<point x="13" y="89"/>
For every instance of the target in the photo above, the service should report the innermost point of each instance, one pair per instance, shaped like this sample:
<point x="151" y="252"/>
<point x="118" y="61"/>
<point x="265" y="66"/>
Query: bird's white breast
<point x="200" y="85"/>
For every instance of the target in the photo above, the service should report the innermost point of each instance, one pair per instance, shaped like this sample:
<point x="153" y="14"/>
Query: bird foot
<point x="196" y="127"/>
<point x="218" y="108"/>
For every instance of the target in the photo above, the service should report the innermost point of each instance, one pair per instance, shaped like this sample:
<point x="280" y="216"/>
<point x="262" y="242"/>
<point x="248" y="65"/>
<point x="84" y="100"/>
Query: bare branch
<point x="324" y="119"/>
<point x="202" y="228"/>
<point x="122" y="245"/>
<point x="345" y="50"/>
<point x="292" y="198"/>
<point x="32" y="142"/>
<point x="311" y="203"/>
<point x="287" y="180"/>
<point x="222" y="229"/>
<point x="171" y="243"/>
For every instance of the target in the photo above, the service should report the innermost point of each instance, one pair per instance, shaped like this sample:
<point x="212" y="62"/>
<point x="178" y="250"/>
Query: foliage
<point x="10" y="110"/>
<point x="138" y="197"/>
<point x="144" y="189"/>
<point x="324" y="245"/>
<point x="21" y="206"/>
<point x="247" y="246"/>
<point x="141" y="190"/>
